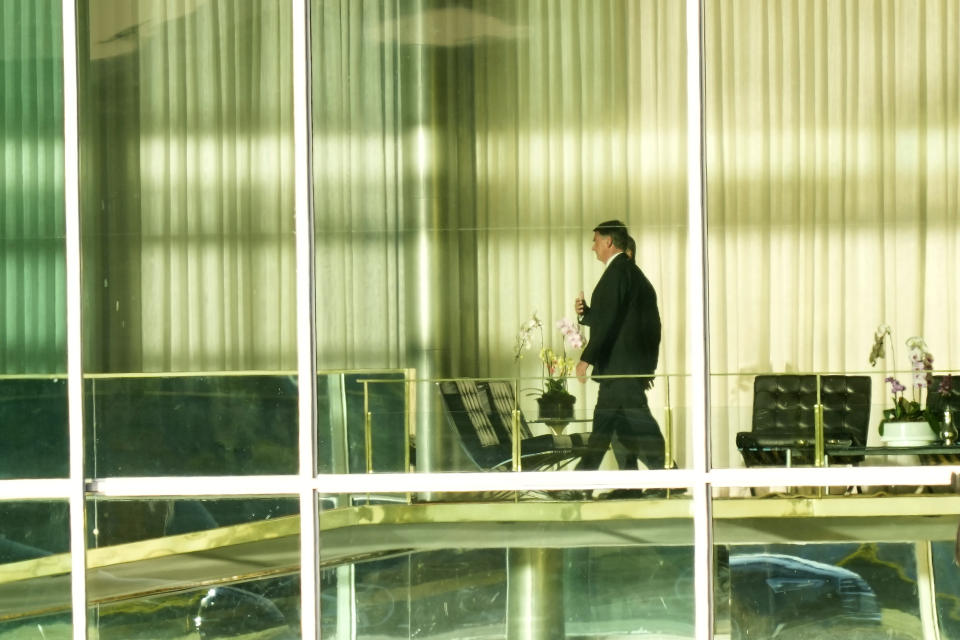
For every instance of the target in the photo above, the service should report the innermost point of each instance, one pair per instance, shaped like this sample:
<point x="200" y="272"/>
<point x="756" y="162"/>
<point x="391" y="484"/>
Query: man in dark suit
<point x="624" y="340"/>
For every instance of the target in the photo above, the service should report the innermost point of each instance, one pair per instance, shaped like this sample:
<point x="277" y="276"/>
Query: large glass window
<point x="831" y="188"/>
<point x="591" y="576"/>
<point x="212" y="568"/>
<point x="34" y="569"/>
<point x="188" y="247"/>
<point x="462" y="157"/>
<point x="462" y="153"/>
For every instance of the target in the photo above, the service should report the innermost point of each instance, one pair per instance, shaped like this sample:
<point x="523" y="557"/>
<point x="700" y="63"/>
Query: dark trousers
<point x="622" y="411"/>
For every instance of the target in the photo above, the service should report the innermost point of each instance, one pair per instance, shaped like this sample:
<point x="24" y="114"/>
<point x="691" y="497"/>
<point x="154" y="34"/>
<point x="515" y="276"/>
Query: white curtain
<point x="492" y="139"/>
<point x="580" y="119"/>
<point x="833" y="174"/>
<point x="189" y="252"/>
<point x="357" y="137"/>
<point x="576" y="116"/>
<point x="33" y="280"/>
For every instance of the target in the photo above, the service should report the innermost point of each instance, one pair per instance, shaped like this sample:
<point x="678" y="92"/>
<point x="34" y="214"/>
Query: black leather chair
<point x="783" y="426"/>
<point x="482" y="414"/>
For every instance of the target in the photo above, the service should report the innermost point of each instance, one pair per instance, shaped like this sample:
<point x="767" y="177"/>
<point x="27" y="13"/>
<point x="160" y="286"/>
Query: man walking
<point x="624" y="340"/>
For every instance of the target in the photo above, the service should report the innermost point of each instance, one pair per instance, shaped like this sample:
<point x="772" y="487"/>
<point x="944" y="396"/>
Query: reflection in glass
<point x="363" y="420"/>
<point x="584" y="592"/>
<point x="113" y="521"/>
<point x="34" y="569"/>
<point x="866" y="590"/>
<point x="32" y="273"/>
<point x="264" y="608"/>
<point x="32" y="529"/>
<point x="149" y="558"/>
<point x="646" y="591"/>
<point x="947" y="581"/>
<point x="33" y="427"/>
<point x="191" y="425"/>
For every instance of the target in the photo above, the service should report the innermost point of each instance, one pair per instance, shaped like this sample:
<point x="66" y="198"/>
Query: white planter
<point x="907" y="434"/>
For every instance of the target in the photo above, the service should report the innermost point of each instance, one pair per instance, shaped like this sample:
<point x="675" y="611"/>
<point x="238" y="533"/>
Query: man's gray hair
<point x="616" y="231"/>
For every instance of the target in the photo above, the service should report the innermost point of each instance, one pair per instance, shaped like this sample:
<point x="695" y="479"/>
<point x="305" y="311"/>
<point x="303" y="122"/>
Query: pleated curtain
<point x="188" y="217"/>
<point x="358" y="136"/>
<point x="32" y="273"/>
<point x="581" y="118"/>
<point x="566" y="118"/>
<point x="833" y="176"/>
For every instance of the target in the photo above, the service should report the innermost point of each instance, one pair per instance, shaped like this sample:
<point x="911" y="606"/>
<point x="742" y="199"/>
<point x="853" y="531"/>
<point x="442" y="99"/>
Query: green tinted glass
<point x="32" y="248"/>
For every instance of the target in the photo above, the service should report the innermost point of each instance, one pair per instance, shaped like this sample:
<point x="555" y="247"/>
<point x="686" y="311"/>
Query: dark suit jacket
<point x="624" y="322"/>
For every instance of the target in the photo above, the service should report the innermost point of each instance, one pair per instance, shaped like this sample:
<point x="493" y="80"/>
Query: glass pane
<point x="467" y="424"/>
<point x="826" y="222"/>
<point x="170" y="568"/>
<point x="861" y="590"/>
<point x="463" y="156"/>
<point x="33" y="427"/>
<point x="191" y="425"/>
<point x="34" y="570"/>
<point x="187" y="222"/>
<point x="33" y="281"/>
<point x="438" y="570"/>
<point x="585" y="592"/>
<point x="264" y="608"/>
<point x="947" y="585"/>
<point x="114" y="521"/>
<point x="364" y="422"/>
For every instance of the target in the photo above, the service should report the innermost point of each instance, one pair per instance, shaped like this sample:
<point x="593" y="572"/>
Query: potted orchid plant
<point x="908" y="421"/>
<point x="554" y="401"/>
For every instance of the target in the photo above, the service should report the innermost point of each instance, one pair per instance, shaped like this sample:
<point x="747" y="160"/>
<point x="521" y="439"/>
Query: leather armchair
<point x="783" y="425"/>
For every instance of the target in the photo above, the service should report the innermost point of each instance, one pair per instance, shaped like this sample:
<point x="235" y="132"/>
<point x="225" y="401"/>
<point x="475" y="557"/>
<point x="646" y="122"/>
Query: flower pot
<point x="556" y="409"/>
<point x="907" y="434"/>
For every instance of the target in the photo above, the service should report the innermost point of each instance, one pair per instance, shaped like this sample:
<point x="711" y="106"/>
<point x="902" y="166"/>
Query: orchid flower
<point x="895" y="385"/>
<point x="946" y="383"/>
<point x="879" y="337"/>
<point x="571" y="333"/>
<point x="524" y="336"/>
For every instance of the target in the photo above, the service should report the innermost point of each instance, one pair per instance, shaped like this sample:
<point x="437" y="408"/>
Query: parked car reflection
<point x="772" y="593"/>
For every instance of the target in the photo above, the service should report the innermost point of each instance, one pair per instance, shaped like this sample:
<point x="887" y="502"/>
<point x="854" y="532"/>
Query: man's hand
<point x="579" y="305"/>
<point x="582" y="371"/>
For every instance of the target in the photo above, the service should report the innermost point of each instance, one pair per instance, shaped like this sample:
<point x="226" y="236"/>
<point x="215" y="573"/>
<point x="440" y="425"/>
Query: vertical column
<point x="437" y="137"/>
<point x="535" y="594"/>
<point x="306" y="329"/>
<point x="419" y="201"/>
<point x="71" y="192"/>
<point x="698" y="335"/>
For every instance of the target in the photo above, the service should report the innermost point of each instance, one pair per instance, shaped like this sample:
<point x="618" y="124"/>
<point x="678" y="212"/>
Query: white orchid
<point x="921" y="364"/>
<point x="524" y="335"/>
